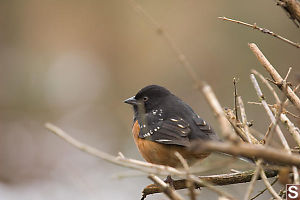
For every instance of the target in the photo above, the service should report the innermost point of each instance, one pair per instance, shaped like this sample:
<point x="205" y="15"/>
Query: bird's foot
<point x="170" y="181"/>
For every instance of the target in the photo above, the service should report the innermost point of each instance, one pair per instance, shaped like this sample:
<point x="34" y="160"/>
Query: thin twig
<point x="235" y="99"/>
<point x="170" y="41"/>
<point x="253" y="179"/>
<point x="275" y="75"/>
<point x="285" y="120"/>
<point x="121" y="160"/>
<point x="268" y="185"/>
<point x="264" y="80"/>
<point x="258" y="163"/>
<point x="287" y="74"/>
<point x="294" y="90"/>
<point x="244" y="118"/>
<point x="263" y="30"/>
<point x="219" y="113"/>
<point x="292" y="114"/>
<point x="275" y="107"/>
<point x="240" y="132"/>
<point x="278" y="102"/>
<point x="267" y="135"/>
<point x="269" y="112"/>
<point x="274" y="121"/>
<point x="189" y="182"/>
<point x="295" y="132"/>
<point x="261" y="192"/>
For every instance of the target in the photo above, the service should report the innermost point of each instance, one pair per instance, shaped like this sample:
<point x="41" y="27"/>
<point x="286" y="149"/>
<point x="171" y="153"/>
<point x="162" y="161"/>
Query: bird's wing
<point x="203" y="130"/>
<point x="173" y="130"/>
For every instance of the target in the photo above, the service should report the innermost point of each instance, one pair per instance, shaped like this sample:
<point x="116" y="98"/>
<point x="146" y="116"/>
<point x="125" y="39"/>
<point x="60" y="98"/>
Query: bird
<point x="164" y="124"/>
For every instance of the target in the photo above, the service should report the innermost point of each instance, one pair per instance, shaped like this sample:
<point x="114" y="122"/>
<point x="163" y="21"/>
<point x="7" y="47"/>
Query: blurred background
<point x="73" y="63"/>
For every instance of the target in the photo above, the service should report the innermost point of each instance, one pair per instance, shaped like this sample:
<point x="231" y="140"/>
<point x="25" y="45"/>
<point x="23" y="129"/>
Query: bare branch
<point x="268" y="185"/>
<point x="268" y="154"/>
<point x="235" y="99"/>
<point x="253" y="179"/>
<point x="269" y="112"/>
<point x="222" y="179"/>
<point x="189" y="181"/>
<point x="263" y="30"/>
<point x="274" y="121"/>
<point x="241" y="133"/>
<point x="262" y="78"/>
<point x="276" y="77"/>
<point x="121" y="160"/>
<point x="244" y="119"/>
<point x="261" y="192"/>
<point x="295" y="132"/>
<point x="218" y="110"/>
<point x="294" y="90"/>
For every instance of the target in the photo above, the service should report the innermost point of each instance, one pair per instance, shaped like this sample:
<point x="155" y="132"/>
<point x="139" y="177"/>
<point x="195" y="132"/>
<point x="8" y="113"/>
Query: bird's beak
<point x="131" y="101"/>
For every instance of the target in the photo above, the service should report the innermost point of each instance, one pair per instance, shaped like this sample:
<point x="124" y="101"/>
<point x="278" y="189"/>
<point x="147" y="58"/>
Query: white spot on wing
<point x="179" y="125"/>
<point x="163" y="140"/>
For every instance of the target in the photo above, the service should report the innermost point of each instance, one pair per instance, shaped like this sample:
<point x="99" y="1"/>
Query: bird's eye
<point x="145" y="99"/>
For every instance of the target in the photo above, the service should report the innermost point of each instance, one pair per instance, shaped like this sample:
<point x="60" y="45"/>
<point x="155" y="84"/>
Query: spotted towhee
<point x="164" y="124"/>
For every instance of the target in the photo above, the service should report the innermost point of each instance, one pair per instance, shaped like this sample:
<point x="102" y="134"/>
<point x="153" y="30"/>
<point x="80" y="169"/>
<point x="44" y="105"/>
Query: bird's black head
<point x="149" y="98"/>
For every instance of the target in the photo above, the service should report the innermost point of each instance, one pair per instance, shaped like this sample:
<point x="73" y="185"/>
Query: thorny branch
<point x="263" y="30"/>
